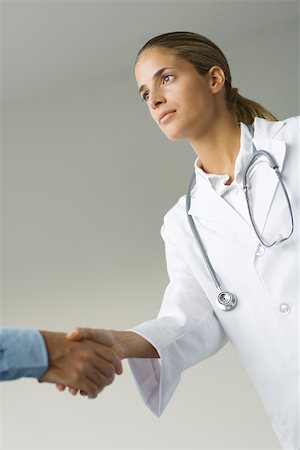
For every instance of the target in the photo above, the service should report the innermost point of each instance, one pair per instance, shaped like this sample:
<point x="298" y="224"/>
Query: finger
<point x="73" y="391"/>
<point x="83" y="393"/>
<point x="60" y="387"/>
<point x="91" y="384"/>
<point x="98" y="380"/>
<point x="91" y="389"/>
<point x="106" y="369"/>
<point x="74" y="335"/>
<point x="103" y="337"/>
<point x="107" y="375"/>
<point x="106" y="355"/>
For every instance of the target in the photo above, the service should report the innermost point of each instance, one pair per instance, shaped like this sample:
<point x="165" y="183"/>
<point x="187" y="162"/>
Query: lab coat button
<point x="260" y="250"/>
<point x="285" y="309"/>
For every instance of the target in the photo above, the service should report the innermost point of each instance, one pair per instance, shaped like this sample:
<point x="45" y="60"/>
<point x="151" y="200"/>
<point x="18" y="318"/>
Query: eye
<point x="167" y="78"/>
<point x="145" y="96"/>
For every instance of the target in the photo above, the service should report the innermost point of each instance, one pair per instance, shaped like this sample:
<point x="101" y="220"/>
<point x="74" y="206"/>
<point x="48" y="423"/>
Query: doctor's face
<point x="179" y="99"/>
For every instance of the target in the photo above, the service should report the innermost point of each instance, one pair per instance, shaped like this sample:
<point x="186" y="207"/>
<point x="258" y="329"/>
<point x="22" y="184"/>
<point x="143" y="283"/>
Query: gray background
<point x="86" y="180"/>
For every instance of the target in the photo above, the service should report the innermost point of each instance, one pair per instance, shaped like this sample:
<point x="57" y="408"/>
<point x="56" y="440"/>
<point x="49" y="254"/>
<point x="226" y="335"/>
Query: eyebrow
<point x="155" y="76"/>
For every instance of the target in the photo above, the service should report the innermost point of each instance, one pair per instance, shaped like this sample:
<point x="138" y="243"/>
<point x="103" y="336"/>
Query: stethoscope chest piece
<point x="226" y="301"/>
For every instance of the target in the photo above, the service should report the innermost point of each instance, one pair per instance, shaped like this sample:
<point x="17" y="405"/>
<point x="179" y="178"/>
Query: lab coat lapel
<point x="212" y="210"/>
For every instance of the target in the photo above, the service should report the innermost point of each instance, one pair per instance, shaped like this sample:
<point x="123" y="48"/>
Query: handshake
<point x="85" y="360"/>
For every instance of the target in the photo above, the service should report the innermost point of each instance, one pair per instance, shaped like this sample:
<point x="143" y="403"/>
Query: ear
<point x="216" y="79"/>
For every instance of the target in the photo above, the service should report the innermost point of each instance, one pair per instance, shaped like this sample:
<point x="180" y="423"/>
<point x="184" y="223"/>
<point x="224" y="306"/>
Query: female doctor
<point x="232" y="258"/>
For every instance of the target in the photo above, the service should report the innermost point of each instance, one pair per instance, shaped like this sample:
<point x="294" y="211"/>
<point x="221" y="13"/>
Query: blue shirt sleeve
<point x="23" y="353"/>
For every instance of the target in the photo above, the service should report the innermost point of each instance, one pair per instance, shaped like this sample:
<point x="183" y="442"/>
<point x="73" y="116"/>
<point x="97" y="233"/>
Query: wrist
<point x="131" y="345"/>
<point x="54" y="344"/>
<point x="121" y="344"/>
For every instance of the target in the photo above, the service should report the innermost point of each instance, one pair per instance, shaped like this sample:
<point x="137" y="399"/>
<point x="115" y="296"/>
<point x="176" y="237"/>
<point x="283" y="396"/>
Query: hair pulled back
<point x="202" y="53"/>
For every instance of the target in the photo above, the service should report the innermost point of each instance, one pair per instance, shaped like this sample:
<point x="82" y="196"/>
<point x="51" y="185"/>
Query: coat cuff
<point x="153" y="380"/>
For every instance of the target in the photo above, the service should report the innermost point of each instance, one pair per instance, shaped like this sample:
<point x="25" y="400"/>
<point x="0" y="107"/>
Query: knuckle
<point x="81" y="367"/>
<point x="87" y="353"/>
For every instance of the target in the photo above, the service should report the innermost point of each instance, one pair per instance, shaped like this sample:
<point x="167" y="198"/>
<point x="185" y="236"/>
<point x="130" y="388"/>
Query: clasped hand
<point x="85" y="360"/>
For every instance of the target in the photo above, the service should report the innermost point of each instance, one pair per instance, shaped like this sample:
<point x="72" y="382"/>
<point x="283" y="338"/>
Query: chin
<point x="173" y="135"/>
<point x="174" y="138"/>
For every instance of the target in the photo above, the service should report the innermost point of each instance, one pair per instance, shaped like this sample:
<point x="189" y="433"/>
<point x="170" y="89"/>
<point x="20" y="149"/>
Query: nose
<point x="156" y="99"/>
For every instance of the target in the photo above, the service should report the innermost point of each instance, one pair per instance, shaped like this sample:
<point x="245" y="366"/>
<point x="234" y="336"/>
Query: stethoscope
<point x="226" y="300"/>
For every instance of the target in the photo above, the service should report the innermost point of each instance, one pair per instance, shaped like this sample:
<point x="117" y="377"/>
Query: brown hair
<point x="203" y="54"/>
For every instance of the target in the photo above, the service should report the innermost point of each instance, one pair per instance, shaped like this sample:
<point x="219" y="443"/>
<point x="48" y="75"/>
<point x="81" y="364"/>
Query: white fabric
<point x="233" y="193"/>
<point x="244" y="155"/>
<point x="190" y="327"/>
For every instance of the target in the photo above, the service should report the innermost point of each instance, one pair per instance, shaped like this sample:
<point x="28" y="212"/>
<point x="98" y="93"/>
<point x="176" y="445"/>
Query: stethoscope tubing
<point x="225" y="299"/>
<point x="197" y="236"/>
<point x="274" y="166"/>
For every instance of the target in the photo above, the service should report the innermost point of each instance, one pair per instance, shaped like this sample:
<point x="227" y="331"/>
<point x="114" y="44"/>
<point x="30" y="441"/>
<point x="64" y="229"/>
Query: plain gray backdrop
<point x="86" y="180"/>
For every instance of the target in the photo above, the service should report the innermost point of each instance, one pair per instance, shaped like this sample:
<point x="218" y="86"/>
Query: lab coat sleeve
<point x="185" y="332"/>
<point x="22" y="353"/>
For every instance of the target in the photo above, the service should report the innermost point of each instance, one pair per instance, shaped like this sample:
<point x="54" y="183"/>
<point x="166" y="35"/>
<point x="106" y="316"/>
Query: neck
<point x="218" y="147"/>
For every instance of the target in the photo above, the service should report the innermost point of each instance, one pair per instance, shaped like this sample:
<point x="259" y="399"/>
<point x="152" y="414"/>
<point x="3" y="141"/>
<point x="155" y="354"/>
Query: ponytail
<point x="243" y="109"/>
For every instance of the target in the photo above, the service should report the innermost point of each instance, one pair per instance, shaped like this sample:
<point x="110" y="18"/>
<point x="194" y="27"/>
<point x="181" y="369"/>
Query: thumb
<point x="76" y="334"/>
<point x="104" y="337"/>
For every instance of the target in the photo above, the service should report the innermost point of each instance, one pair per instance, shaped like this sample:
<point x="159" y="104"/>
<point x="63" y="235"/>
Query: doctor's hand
<point x="86" y="366"/>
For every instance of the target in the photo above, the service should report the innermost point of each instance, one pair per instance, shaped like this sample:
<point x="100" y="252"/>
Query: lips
<point x="165" y="115"/>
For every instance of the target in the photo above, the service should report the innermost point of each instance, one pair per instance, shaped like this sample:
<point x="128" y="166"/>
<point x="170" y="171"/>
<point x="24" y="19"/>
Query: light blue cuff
<point x="23" y="353"/>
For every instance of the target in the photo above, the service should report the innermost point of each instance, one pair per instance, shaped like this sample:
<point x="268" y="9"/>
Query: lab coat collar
<point x="218" y="181"/>
<point x="267" y="129"/>
<point x="206" y="203"/>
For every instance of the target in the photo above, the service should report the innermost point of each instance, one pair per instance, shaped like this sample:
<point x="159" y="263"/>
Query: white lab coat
<point x="264" y="327"/>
